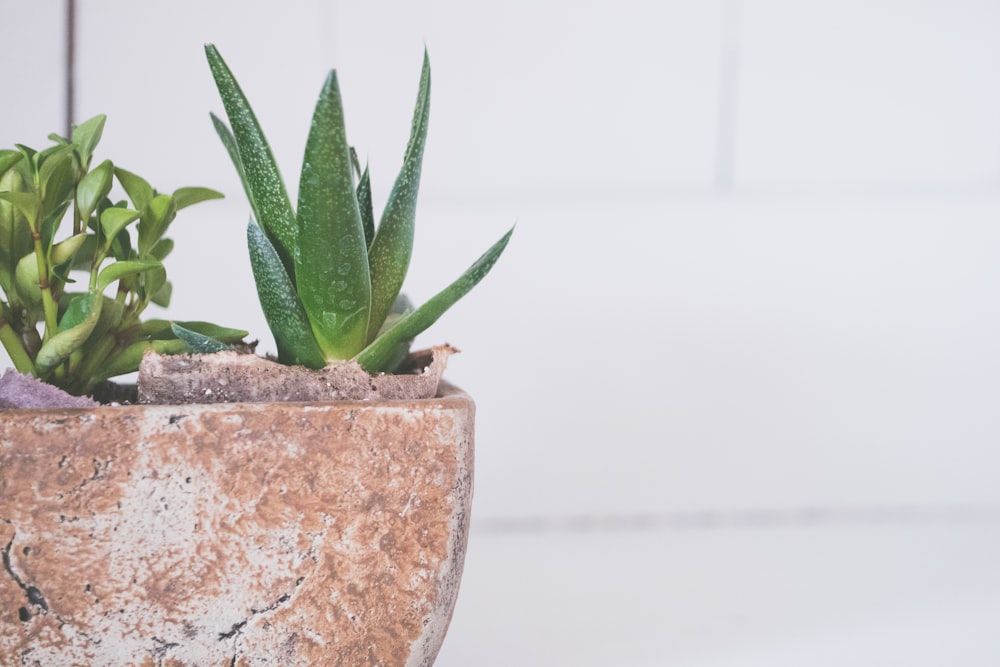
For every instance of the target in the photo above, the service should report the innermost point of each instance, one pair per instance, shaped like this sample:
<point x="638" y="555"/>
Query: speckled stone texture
<point x="233" y="534"/>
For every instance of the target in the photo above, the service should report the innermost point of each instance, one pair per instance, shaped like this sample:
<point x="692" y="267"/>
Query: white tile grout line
<point x="738" y="519"/>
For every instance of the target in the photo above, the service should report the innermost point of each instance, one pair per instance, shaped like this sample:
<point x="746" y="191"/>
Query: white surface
<point x="755" y="276"/>
<point x="918" y="594"/>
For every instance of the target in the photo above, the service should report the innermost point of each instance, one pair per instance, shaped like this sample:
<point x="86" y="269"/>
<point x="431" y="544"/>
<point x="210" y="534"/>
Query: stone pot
<point x="233" y="534"/>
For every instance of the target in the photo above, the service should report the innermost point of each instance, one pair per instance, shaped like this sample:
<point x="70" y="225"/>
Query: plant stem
<point x="48" y="303"/>
<point x="12" y="343"/>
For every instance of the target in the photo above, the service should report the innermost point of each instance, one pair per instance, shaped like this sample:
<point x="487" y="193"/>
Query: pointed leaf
<point x="389" y="256"/>
<point x="136" y="187"/>
<point x="155" y="221"/>
<point x="264" y="185"/>
<point x="284" y="313"/>
<point x="378" y="356"/>
<point x="57" y="176"/>
<point x="365" y="205"/>
<point x="331" y="267"/>
<point x="87" y="135"/>
<point x="223" y="334"/>
<point x="93" y="188"/>
<point x="199" y="343"/>
<point x="184" y="197"/>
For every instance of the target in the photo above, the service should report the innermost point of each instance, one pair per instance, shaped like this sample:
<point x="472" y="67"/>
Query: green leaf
<point x="119" y="270"/>
<point x="8" y="159"/>
<point x="136" y="187"/>
<point x="264" y="185"/>
<point x="93" y="188"/>
<point x="155" y="221"/>
<point x="331" y="267"/>
<point x="282" y="309"/>
<point x="162" y="248"/>
<point x="87" y="135"/>
<point x="15" y="233"/>
<point x="28" y="203"/>
<point x="378" y="356"/>
<point x="157" y="329"/>
<point x="127" y="361"/>
<point x="155" y="280"/>
<point x="184" y="197"/>
<point x="26" y="281"/>
<point x="224" y="334"/>
<point x="365" y="205"/>
<point x="65" y="251"/>
<point x="229" y="142"/>
<point x="115" y="219"/>
<point x="161" y="297"/>
<point x="57" y="176"/>
<point x="199" y="343"/>
<point x="58" y="348"/>
<point x="389" y="255"/>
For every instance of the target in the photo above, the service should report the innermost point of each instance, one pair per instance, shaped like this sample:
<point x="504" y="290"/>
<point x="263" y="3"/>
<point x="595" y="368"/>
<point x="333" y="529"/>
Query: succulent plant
<point x="76" y="334"/>
<point x="327" y="277"/>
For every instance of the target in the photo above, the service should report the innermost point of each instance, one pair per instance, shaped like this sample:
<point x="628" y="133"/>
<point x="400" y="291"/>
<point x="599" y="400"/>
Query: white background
<point x="737" y="373"/>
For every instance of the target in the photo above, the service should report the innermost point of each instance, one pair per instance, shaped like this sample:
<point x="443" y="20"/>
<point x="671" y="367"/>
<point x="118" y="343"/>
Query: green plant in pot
<point x="78" y="269"/>
<point x="327" y="276"/>
<point x="258" y="533"/>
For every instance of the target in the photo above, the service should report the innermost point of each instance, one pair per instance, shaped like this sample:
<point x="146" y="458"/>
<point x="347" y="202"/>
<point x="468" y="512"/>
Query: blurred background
<point x="738" y="371"/>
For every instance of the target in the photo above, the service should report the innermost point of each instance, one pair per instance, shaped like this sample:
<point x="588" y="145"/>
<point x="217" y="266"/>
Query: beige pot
<point x="233" y="534"/>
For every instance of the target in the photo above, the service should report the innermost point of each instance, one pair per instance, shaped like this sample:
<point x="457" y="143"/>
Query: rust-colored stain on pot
<point x="249" y="535"/>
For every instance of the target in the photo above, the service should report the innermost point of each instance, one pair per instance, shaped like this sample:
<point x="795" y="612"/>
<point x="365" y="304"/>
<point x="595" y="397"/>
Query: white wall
<point x="749" y="313"/>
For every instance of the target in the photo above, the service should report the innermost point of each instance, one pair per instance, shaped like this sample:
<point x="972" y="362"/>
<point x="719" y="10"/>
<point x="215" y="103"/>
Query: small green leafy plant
<point x="327" y="277"/>
<point x="76" y="334"/>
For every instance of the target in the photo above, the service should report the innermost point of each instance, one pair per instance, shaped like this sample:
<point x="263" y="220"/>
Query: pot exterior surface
<point x="233" y="534"/>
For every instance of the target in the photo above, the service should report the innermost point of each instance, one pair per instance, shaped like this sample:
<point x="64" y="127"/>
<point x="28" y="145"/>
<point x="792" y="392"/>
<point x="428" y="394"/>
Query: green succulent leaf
<point x="119" y="270"/>
<point x="199" y="343"/>
<point x="93" y="188"/>
<point x="157" y="329"/>
<point x="87" y="135"/>
<point x="282" y="309"/>
<point x="262" y="179"/>
<point x="382" y="352"/>
<point x="136" y="187"/>
<point x="331" y="267"/>
<point x="365" y="205"/>
<point x="229" y="142"/>
<point x="389" y="255"/>
<point x="184" y="197"/>
<point x="59" y="347"/>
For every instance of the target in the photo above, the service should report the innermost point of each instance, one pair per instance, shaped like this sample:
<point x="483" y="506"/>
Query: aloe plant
<point x="327" y="277"/>
<point x="76" y="334"/>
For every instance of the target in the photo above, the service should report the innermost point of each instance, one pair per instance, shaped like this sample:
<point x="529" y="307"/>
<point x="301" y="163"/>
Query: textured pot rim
<point x="449" y="396"/>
